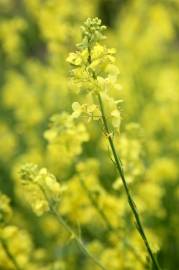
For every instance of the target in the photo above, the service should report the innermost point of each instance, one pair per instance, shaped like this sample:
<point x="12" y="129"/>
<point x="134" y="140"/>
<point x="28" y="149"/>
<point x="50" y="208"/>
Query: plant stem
<point x="12" y="259"/>
<point x="129" y="196"/>
<point x="76" y="237"/>
<point x="61" y="221"/>
<point x="107" y="221"/>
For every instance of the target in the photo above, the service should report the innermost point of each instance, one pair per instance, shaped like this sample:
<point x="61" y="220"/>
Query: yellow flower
<point x="41" y="187"/>
<point x="74" y="59"/>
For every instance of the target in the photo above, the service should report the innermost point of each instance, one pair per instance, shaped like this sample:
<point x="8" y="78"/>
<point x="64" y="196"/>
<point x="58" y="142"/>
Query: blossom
<point x="41" y="187"/>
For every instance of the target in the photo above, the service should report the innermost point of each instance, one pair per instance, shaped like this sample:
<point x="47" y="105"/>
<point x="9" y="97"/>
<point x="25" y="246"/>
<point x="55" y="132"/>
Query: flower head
<point x="41" y="187"/>
<point x="92" y="32"/>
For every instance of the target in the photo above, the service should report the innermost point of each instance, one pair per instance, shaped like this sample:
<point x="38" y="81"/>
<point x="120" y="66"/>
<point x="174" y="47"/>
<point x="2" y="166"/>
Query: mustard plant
<point x="94" y="74"/>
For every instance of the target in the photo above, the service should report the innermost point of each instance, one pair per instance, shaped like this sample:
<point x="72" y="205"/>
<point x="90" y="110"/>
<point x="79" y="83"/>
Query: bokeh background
<point x="35" y="39"/>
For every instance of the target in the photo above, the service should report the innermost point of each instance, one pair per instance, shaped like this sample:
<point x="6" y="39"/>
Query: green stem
<point x="70" y="230"/>
<point x="106" y="220"/>
<point x="10" y="256"/>
<point x="77" y="239"/>
<point x="129" y="196"/>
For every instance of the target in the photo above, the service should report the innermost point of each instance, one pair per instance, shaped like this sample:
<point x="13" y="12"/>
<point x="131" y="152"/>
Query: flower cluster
<point x="65" y="139"/>
<point x="94" y="70"/>
<point x="92" y="112"/>
<point x="42" y="188"/>
<point x="92" y="32"/>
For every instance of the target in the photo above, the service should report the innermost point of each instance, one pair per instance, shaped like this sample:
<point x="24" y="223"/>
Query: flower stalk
<point x="106" y="220"/>
<point x="76" y="238"/>
<point x="129" y="196"/>
<point x="61" y="221"/>
<point x="94" y="72"/>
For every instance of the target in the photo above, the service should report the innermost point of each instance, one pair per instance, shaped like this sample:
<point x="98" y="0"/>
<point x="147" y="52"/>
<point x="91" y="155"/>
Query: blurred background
<point x="35" y="39"/>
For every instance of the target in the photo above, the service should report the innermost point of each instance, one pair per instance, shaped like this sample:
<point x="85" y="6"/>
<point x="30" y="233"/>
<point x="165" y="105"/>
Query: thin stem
<point x="76" y="237"/>
<point x="10" y="256"/>
<point x="106" y="220"/>
<point x="70" y="230"/>
<point x="129" y="196"/>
